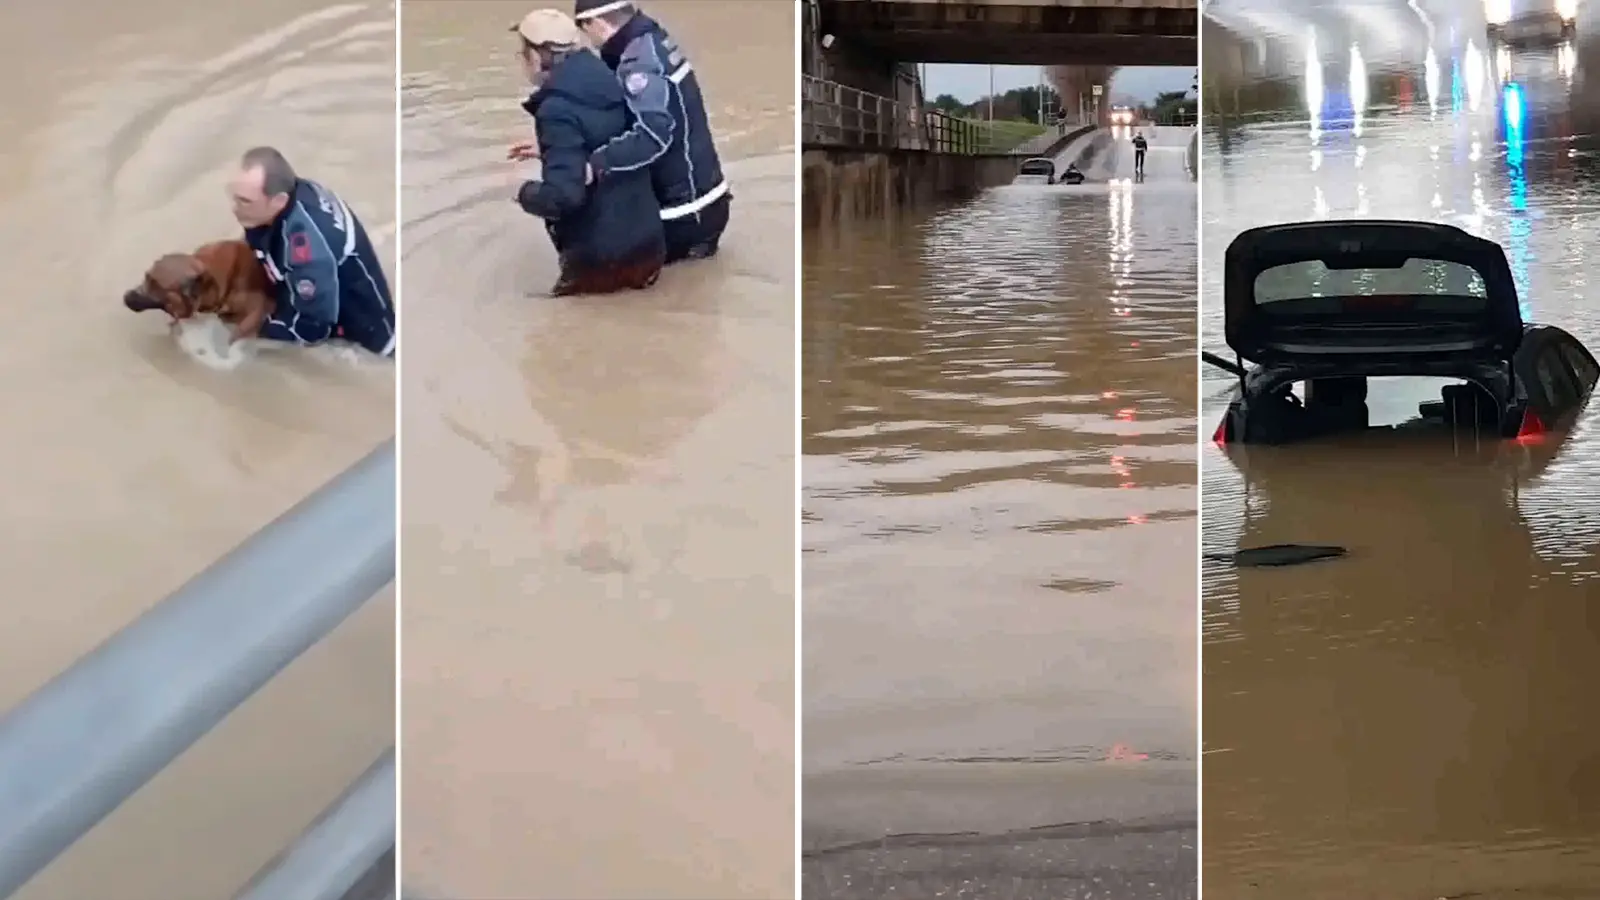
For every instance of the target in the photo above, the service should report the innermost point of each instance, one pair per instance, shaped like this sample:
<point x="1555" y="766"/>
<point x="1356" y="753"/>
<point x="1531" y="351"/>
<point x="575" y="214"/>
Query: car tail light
<point x="1533" y="428"/>
<point x="1220" y="436"/>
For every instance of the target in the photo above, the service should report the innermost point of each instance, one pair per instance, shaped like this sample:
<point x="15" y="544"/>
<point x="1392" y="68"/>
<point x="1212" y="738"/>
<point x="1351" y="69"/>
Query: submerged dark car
<point x="1327" y="305"/>
<point x="1037" y="168"/>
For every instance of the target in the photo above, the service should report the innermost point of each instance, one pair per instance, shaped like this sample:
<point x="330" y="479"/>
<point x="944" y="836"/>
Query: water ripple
<point x="998" y="429"/>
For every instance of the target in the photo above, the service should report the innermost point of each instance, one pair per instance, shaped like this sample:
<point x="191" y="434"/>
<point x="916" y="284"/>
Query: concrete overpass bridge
<point x="1018" y="32"/>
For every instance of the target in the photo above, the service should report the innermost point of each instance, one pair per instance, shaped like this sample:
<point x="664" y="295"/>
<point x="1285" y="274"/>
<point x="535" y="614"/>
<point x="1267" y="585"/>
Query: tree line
<point x="1023" y="104"/>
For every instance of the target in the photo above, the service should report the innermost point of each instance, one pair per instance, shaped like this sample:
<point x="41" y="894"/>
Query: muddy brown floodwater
<point x="1416" y="720"/>
<point x="598" y="500"/>
<point x="131" y="466"/>
<point x="999" y="502"/>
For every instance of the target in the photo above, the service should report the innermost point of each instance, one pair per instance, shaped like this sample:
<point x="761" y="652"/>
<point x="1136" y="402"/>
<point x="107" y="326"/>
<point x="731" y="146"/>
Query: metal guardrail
<point x="82" y="744"/>
<point x="1177" y="118"/>
<point x="346" y="854"/>
<point x="836" y="115"/>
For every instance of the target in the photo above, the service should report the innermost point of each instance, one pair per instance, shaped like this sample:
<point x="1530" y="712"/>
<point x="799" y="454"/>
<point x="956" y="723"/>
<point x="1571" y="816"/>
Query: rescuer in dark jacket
<point x="608" y="231"/>
<point x="670" y="133"/>
<point x="316" y="254"/>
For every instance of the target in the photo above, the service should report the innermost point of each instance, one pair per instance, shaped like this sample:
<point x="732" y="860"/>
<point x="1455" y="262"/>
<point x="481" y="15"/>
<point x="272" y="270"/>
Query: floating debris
<point x="1278" y="555"/>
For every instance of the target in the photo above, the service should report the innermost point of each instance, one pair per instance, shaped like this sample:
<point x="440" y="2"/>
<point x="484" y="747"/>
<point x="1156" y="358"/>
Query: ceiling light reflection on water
<point x="1358" y="88"/>
<point x="1472" y="68"/>
<point x="1430" y="80"/>
<point x="1518" y="226"/>
<point x="1314" y="91"/>
<point x="1327" y="108"/>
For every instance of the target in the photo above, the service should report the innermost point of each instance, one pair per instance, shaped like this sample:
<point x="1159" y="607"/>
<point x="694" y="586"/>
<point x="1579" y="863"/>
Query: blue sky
<point x="968" y="83"/>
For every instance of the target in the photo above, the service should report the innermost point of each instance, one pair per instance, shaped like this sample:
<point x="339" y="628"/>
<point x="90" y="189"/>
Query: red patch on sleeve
<point x="299" y="249"/>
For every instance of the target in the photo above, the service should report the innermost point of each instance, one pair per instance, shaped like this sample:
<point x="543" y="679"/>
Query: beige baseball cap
<point x="548" y="27"/>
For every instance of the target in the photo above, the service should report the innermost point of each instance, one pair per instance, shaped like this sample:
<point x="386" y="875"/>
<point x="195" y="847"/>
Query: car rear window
<point x="1429" y="283"/>
<point x="1038" y="167"/>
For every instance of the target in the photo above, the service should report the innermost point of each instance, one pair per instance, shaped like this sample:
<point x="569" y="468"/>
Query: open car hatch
<point x="1038" y="167"/>
<point x="1323" y="293"/>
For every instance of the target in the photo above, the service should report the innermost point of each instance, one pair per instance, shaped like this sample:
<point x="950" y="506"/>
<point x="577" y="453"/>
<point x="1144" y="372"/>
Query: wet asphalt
<point x="1152" y="859"/>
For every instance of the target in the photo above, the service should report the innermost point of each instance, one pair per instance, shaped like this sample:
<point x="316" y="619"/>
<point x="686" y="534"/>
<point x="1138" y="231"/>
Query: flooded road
<point x="1164" y="162"/>
<point x="598" y="503"/>
<point x="139" y="464"/>
<point x="999" y="503"/>
<point x="1416" y="720"/>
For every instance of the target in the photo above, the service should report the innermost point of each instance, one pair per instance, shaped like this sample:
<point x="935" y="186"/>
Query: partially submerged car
<point x="1327" y="305"/>
<point x="1528" y="23"/>
<point x="1037" y="169"/>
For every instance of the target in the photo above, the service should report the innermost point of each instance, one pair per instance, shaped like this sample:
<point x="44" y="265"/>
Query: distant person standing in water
<point x="670" y="134"/>
<point x="316" y="254"/>
<point x="1140" y="145"/>
<point x="606" y="225"/>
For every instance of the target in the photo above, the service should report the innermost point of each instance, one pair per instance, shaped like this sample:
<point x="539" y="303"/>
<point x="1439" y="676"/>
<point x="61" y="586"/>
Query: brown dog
<point x="223" y="278"/>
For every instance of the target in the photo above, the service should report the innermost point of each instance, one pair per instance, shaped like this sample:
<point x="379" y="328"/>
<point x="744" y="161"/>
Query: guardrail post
<point x="84" y="742"/>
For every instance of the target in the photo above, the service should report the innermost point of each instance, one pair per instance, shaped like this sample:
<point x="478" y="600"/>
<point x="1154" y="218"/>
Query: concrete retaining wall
<point x="1060" y="144"/>
<point x="857" y="184"/>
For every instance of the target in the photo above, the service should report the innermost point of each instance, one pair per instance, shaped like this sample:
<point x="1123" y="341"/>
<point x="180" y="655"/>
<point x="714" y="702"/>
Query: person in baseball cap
<point x="670" y="134"/>
<point x="608" y="233"/>
<point x="550" y="29"/>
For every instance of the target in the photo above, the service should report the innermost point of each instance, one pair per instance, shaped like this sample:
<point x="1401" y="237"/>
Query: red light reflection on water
<point x="1123" y="752"/>
<point x="1120" y="468"/>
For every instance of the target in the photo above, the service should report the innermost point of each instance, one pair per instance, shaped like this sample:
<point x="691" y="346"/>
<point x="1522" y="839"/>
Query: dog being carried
<point x="222" y="278"/>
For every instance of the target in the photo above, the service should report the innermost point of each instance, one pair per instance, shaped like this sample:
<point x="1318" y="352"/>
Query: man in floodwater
<point x="1140" y="145"/>
<point x="316" y="254"/>
<point x="670" y="133"/>
<point x="606" y="225"/>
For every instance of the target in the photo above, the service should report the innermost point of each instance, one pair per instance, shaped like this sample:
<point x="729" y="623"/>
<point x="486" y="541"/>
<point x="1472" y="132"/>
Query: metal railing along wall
<point x="82" y="744"/>
<point x="836" y="115"/>
<point x="1177" y="116"/>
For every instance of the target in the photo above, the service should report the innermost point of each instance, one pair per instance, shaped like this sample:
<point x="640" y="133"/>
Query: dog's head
<point x="177" y="284"/>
